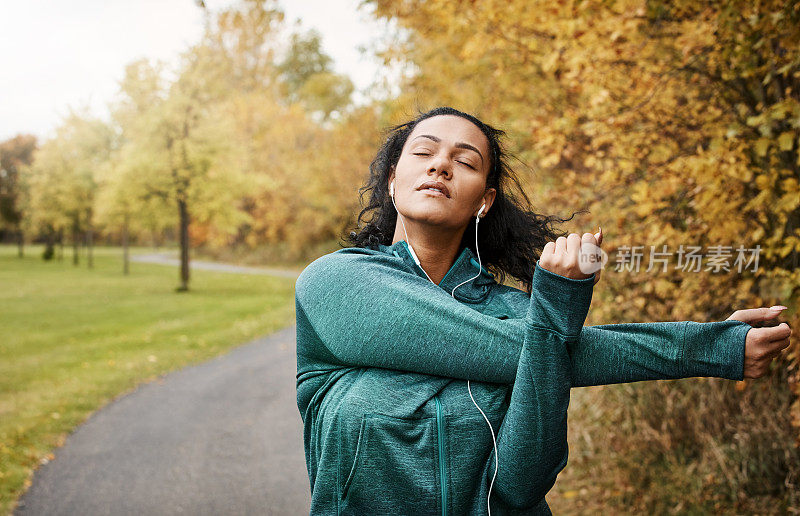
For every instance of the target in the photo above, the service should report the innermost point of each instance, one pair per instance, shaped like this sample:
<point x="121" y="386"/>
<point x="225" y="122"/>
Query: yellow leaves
<point x="762" y="146"/>
<point x="661" y="152"/>
<point x="550" y="61"/>
<point x="646" y="201"/>
<point x="664" y="288"/>
<point x="788" y="202"/>
<point x="789" y="184"/>
<point x="599" y="97"/>
<point x="782" y="110"/>
<point x="786" y="140"/>
<point x="790" y="243"/>
<point x="474" y="48"/>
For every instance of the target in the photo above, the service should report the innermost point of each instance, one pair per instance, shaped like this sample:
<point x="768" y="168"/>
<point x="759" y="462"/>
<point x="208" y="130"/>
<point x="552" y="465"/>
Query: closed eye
<point x="428" y="154"/>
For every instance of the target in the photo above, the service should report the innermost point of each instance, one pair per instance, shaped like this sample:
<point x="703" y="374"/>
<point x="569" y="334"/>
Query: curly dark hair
<point x="511" y="235"/>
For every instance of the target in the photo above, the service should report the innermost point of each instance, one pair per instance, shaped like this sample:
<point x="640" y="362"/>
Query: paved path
<point x="223" y="437"/>
<point x="169" y="259"/>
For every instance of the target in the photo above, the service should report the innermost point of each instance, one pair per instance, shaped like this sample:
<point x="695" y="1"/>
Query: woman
<point x="427" y="387"/>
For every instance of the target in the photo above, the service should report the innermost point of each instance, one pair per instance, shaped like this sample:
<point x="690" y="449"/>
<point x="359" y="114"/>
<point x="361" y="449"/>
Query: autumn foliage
<point x="676" y="123"/>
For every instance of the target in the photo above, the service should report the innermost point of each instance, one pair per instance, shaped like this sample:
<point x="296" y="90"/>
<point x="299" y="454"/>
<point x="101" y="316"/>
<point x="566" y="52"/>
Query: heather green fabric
<point x="383" y="356"/>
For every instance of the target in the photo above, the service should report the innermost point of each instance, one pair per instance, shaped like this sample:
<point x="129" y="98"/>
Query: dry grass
<point x="697" y="446"/>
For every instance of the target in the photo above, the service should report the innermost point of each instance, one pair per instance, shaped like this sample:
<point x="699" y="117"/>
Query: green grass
<point x="72" y="339"/>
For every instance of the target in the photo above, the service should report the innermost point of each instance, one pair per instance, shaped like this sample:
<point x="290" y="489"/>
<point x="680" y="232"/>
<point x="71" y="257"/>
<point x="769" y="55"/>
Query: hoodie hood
<point x="464" y="268"/>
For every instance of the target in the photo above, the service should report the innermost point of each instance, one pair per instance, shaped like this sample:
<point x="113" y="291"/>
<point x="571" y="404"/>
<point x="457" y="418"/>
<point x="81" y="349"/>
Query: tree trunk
<point x="89" y="247"/>
<point x="48" y="245"/>
<point x="60" y="244"/>
<point x="125" y="258"/>
<point x="183" y="213"/>
<point x="75" y="243"/>
<point x="20" y="242"/>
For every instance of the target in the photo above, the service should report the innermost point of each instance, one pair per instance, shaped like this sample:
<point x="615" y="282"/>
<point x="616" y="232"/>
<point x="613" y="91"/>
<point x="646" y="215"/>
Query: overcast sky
<point x="69" y="53"/>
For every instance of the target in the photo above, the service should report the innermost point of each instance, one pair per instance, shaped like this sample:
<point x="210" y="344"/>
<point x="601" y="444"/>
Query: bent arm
<point x="532" y="440"/>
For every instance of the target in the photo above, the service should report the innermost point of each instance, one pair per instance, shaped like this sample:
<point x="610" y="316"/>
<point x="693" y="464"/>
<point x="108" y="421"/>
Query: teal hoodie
<point x="383" y="359"/>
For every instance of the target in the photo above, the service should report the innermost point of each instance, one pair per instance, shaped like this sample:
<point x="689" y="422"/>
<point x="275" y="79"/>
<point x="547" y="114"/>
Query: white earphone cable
<point x="453" y="294"/>
<point x="404" y="231"/>
<point x="494" y="440"/>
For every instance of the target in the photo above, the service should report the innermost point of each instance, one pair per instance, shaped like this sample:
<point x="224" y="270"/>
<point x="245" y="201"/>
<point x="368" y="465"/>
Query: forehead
<point x="452" y="129"/>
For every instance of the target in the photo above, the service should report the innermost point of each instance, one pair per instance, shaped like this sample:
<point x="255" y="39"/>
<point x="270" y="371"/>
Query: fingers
<point x="762" y="346"/>
<point x="779" y="347"/>
<point x="573" y="246"/>
<point x="773" y="333"/>
<point x="561" y="246"/>
<point x="573" y="250"/>
<point x="756" y="315"/>
<point x="564" y="255"/>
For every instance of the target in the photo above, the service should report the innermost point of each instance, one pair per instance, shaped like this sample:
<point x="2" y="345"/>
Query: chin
<point x="436" y="219"/>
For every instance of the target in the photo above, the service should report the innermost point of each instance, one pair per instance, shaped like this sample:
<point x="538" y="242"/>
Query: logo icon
<point x="592" y="258"/>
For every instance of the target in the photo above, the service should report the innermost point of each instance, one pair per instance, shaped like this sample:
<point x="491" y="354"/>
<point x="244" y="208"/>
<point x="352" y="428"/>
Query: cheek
<point x="403" y="178"/>
<point x="474" y="190"/>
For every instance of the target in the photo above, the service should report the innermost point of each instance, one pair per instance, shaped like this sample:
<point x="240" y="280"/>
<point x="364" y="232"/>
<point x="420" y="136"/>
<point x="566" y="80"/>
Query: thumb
<point x="755" y="315"/>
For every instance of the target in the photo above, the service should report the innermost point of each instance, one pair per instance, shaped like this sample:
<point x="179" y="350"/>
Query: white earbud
<point x="481" y="210"/>
<point x="391" y="188"/>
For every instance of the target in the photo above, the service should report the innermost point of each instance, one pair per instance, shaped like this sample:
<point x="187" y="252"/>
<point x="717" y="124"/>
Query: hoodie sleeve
<point x="633" y="352"/>
<point x="358" y="310"/>
<point x="532" y="439"/>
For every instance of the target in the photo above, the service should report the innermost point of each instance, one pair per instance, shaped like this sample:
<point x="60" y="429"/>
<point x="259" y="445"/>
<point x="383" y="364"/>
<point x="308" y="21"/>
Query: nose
<point x="440" y="164"/>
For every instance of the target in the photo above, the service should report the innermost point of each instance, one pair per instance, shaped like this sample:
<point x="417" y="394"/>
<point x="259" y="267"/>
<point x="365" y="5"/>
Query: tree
<point x="62" y="181"/>
<point x="308" y="78"/>
<point x="14" y="154"/>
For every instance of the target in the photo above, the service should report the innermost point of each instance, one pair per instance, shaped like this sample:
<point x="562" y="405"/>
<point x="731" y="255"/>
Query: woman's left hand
<point x="764" y="343"/>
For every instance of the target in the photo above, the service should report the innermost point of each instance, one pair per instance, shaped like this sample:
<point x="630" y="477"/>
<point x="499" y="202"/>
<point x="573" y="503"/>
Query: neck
<point x="436" y="249"/>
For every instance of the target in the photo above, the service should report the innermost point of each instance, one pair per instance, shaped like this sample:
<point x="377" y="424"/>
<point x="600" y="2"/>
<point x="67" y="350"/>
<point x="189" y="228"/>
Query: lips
<point x="435" y="185"/>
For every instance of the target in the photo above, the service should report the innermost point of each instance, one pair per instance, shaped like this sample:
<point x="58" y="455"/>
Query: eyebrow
<point x="460" y="145"/>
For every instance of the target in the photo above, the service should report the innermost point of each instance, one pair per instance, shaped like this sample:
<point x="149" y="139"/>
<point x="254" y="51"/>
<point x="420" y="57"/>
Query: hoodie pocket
<point x="359" y="446"/>
<point x="395" y="468"/>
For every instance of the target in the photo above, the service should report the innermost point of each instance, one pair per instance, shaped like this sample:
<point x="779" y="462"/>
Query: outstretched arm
<point x="632" y="352"/>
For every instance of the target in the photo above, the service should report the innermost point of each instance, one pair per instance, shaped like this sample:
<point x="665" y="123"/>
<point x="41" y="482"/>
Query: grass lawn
<point x="72" y="339"/>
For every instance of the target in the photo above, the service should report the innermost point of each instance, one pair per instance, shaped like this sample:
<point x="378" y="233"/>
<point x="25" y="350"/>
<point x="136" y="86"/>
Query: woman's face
<point x="453" y="152"/>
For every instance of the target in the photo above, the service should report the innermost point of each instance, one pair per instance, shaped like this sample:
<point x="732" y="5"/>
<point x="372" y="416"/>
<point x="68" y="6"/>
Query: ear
<point x="391" y="176"/>
<point x="488" y="198"/>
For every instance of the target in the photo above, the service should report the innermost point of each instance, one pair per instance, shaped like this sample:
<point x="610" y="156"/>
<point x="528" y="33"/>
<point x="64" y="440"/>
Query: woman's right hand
<point x="762" y="344"/>
<point x="563" y="256"/>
